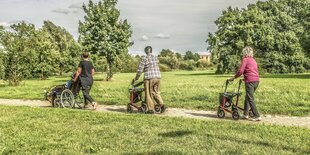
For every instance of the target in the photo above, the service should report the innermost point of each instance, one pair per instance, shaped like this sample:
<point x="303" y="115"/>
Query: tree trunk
<point x="109" y="72"/>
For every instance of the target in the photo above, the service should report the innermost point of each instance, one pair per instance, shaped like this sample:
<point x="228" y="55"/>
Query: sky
<point x="179" y="25"/>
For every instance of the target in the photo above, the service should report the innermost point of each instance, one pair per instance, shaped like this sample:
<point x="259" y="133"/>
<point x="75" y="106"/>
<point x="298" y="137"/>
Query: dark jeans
<point x="249" y="98"/>
<point x="86" y="87"/>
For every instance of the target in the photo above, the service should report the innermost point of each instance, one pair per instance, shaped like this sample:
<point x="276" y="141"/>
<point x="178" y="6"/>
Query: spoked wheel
<point x="67" y="99"/>
<point x="79" y="101"/>
<point x="158" y="108"/>
<point x="220" y="113"/>
<point x="235" y="115"/>
<point x="129" y="108"/>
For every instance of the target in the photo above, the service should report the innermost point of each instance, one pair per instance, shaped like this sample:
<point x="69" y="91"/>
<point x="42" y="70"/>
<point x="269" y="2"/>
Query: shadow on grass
<point x="122" y="110"/>
<point x="203" y="74"/>
<point x="173" y="134"/>
<point x="261" y="143"/>
<point x="204" y="115"/>
<point x="286" y="76"/>
<point x="155" y="153"/>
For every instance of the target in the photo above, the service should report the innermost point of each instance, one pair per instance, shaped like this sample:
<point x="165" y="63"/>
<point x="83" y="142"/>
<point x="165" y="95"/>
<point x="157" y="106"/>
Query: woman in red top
<point x="249" y="70"/>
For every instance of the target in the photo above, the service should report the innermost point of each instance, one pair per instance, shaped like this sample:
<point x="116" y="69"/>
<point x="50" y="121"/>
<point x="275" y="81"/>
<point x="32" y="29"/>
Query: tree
<point x="19" y="59"/>
<point x="169" y="58"/>
<point x="103" y="33"/>
<point x="271" y="28"/>
<point x="189" y="55"/>
<point x="68" y="48"/>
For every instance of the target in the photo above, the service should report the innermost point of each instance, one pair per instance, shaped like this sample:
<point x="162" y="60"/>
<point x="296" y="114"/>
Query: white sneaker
<point x="94" y="104"/>
<point x="256" y="119"/>
<point x="245" y="117"/>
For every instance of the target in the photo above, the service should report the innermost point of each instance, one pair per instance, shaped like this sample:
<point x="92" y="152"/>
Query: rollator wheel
<point x="220" y="113"/>
<point x="142" y="109"/>
<point x="129" y="108"/>
<point x="235" y="115"/>
<point x="158" y="108"/>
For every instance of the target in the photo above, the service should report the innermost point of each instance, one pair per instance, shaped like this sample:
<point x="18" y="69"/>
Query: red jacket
<point x="249" y="69"/>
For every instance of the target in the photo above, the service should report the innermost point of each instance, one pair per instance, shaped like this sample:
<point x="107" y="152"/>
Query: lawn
<point x="25" y="130"/>
<point x="287" y="94"/>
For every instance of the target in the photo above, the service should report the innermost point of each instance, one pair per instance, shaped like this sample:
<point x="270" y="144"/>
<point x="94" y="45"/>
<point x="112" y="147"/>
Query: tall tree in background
<point x="276" y="30"/>
<point x="27" y="52"/>
<point x="68" y="48"/>
<point x="20" y="60"/>
<point x="103" y="33"/>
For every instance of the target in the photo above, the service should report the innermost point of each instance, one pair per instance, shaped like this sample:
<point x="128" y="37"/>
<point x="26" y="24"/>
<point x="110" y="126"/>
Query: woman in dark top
<point x="86" y="71"/>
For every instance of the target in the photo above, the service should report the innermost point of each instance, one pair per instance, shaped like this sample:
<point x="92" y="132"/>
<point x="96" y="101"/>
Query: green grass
<point x="25" y="130"/>
<point x="287" y="94"/>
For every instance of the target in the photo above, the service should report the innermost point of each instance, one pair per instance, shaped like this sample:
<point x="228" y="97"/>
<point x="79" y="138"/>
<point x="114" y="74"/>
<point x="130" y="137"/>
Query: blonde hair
<point x="248" y="51"/>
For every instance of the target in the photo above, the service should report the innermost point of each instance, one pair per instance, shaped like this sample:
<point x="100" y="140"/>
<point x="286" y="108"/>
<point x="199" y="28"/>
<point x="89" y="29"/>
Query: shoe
<point x="94" y="104"/>
<point x="245" y="117"/>
<point x="163" y="108"/>
<point x="256" y="119"/>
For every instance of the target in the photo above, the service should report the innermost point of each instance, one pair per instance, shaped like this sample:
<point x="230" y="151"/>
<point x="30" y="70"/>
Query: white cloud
<point x="62" y="11"/>
<point x="5" y="24"/>
<point x="76" y="6"/>
<point x="162" y="36"/>
<point x="144" y="38"/>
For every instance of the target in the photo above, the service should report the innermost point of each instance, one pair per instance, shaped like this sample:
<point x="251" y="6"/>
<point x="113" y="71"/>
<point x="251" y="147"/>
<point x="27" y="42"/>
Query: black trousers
<point x="86" y="87"/>
<point x="250" y="89"/>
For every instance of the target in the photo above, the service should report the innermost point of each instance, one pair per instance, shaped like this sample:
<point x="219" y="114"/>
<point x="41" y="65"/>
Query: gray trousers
<point x="249" y="98"/>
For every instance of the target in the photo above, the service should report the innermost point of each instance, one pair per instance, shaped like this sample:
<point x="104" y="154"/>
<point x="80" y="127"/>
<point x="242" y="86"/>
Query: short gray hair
<point x="248" y="51"/>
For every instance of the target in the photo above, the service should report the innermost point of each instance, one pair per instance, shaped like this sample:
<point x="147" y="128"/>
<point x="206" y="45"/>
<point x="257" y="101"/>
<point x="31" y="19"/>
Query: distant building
<point x="205" y="56"/>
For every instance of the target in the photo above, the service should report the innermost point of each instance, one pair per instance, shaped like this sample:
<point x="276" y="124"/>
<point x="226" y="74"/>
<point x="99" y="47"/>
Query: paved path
<point x="176" y="112"/>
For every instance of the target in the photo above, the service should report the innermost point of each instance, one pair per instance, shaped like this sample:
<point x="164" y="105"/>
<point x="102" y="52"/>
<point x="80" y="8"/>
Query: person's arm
<point x="77" y="74"/>
<point x="140" y="70"/>
<point x="93" y="72"/>
<point x="241" y="69"/>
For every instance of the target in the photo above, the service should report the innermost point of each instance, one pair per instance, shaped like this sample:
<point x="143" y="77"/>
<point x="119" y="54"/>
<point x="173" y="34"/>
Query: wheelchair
<point x="66" y="96"/>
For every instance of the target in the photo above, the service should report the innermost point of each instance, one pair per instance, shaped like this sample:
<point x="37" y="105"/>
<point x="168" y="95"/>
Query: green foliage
<point x="277" y="30"/>
<point x="188" y="65"/>
<point x="68" y="49"/>
<point x="103" y="33"/>
<point x="189" y="55"/>
<point x="2" y="64"/>
<point x="29" y="52"/>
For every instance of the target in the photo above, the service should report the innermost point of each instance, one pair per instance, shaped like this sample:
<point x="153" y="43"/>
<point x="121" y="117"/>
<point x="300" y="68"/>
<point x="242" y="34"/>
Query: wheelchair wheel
<point x="67" y="99"/>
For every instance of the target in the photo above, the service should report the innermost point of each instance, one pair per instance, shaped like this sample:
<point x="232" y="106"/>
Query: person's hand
<point x="74" y="79"/>
<point x="133" y="81"/>
<point x="231" y="79"/>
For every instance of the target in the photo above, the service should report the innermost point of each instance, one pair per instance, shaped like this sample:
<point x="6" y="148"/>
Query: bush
<point x="203" y="63"/>
<point x="171" y="61"/>
<point x="188" y="65"/>
<point x="164" y="68"/>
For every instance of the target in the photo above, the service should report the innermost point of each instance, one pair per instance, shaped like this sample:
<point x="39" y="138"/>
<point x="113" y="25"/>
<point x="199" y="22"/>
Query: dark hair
<point x="148" y="49"/>
<point x="85" y="55"/>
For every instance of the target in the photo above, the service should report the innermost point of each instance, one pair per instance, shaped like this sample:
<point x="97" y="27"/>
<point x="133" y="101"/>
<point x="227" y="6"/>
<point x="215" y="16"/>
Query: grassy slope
<point x="25" y="130"/>
<point x="277" y="94"/>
